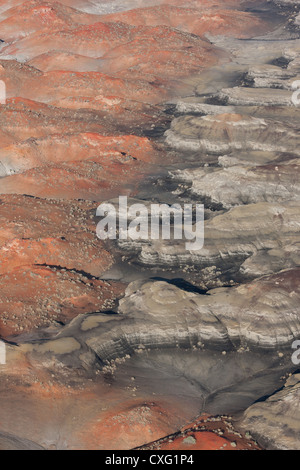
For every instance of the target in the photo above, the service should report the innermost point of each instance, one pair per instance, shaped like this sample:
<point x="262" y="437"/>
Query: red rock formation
<point x="154" y="52"/>
<point x="67" y="253"/>
<point x="84" y="166"/>
<point x="206" y="433"/>
<point x="60" y="148"/>
<point x="49" y="256"/>
<point x="36" y="15"/>
<point x="62" y="60"/>
<point x="23" y="119"/>
<point x="129" y="425"/>
<point x="50" y="87"/>
<point x="223" y="22"/>
<point x="80" y="180"/>
<point x="34" y="297"/>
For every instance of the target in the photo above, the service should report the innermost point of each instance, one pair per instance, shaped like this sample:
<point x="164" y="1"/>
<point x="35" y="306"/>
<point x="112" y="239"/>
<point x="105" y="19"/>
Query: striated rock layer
<point x="275" y="422"/>
<point x="220" y="319"/>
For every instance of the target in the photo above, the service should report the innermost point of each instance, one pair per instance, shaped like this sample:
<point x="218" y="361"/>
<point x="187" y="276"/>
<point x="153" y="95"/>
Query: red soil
<point x="49" y="255"/>
<point x="215" y="21"/>
<point x="33" y="297"/>
<point x="207" y="433"/>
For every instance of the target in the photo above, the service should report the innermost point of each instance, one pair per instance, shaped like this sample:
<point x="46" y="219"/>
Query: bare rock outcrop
<point x="275" y="421"/>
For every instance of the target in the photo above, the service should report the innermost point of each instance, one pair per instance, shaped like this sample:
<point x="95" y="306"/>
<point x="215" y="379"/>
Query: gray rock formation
<point x="242" y="334"/>
<point x="223" y="133"/>
<point x="9" y="442"/>
<point x="241" y="234"/>
<point x="243" y="96"/>
<point x="270" y="76"/>
<point x="158" y="315"/>
<point x="275" y="421"/>
<point x="238" y="185"/>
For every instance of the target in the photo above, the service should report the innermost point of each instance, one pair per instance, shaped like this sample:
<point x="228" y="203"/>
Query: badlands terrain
<point x="144" y="344"/>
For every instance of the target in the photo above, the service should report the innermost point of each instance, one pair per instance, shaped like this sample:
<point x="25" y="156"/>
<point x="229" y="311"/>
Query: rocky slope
<point x="279" y="411"/>
<point x="207" y="433"/>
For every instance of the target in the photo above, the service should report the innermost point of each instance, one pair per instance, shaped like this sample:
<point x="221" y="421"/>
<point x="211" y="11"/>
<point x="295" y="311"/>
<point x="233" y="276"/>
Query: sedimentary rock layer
<point x="275" y="422"/>
<point x="159" y="315"/>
